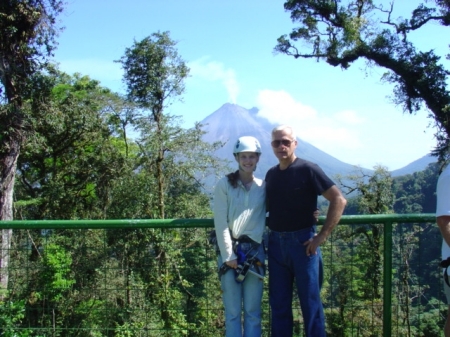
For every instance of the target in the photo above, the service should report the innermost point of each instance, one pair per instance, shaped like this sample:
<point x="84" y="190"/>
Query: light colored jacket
<point x="240" y="211"/>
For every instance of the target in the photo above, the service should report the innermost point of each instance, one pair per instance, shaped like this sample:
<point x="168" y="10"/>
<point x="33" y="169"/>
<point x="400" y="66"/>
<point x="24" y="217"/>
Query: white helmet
<point x="247" y="144"/>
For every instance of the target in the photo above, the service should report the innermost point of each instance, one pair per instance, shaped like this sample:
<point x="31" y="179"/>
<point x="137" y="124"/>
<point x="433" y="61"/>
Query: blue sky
<point x="228" y="46"/>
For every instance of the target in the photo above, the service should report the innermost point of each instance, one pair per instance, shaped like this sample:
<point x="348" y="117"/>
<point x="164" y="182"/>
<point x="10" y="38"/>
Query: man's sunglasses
<point x="285" y="142"/>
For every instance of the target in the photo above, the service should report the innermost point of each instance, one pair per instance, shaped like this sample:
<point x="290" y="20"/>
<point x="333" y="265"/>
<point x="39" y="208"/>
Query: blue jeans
<point x="288" y="262"/>
<point x="246" y="295"/>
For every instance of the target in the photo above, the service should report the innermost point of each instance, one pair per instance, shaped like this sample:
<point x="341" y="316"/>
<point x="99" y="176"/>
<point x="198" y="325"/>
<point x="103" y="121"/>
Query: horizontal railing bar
<point x="383" y="218"/>
<point x="195" y="223"/>
<point x="105" y="224"/>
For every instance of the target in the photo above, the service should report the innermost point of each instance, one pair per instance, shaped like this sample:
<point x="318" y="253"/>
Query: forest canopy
<point x="342" y="31"/>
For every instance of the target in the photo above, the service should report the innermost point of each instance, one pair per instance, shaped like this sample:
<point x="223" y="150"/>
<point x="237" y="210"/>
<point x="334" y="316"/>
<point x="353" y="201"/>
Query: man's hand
<point x="313" y="243"/>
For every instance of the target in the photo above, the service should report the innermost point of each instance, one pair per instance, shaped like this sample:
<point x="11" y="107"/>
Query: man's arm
<point x="335" y="210"/>
<point x="443" y="223"/>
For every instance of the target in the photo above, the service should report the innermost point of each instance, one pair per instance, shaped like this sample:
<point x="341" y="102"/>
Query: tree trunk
<point x="159" y="161"/>
<point x="160" y="173"/>
<point x="8" y="164"/>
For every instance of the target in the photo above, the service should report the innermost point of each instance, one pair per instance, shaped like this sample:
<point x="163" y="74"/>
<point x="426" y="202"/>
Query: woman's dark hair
<point x="233" y="178"/>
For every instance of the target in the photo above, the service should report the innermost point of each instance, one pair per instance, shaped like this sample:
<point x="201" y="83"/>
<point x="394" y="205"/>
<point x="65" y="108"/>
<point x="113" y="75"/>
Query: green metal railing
<point x="358" y="222"/>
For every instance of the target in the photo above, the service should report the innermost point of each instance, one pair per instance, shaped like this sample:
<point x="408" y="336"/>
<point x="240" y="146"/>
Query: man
<point x="292" y="188"/>
<point x="443" y="222"/>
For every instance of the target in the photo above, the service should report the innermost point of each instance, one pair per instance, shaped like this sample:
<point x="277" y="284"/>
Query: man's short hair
<point x="285" y="127"/>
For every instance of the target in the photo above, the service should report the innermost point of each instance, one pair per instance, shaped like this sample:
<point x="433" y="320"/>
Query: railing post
<point x="387" y="282"/>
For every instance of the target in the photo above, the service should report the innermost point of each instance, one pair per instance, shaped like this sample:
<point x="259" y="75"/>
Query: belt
<point x="244" y="239"/>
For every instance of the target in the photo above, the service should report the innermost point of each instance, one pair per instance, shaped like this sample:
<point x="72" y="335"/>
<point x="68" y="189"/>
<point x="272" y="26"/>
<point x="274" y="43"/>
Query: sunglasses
<point x="285" y="142"/>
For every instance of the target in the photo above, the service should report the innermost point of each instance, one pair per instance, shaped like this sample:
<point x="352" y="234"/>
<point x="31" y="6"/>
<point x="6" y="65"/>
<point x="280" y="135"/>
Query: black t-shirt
<point x="292" y="195"/>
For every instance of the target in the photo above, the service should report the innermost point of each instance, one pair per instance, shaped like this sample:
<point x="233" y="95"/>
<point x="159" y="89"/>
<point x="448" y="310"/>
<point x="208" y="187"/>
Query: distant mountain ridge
<point x="232" y="121"/>
<point x="417" y="165"/>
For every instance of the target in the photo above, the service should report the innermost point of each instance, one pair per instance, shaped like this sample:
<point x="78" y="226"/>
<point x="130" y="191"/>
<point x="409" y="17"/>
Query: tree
<point x="416" y="192"/>
<point x="79" y="163"/>
<point x="375" y="196"/>
<point x="68" y="164"/>
<point x="27" y="32"/>
<point x="154" y="75"/>
<point x="343" y="31"/>
<point x="414" y="269"/>
<point x="169" y="166"/>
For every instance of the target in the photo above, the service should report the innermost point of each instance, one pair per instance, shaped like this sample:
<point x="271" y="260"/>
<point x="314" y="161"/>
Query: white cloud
<point x="280" y="107"/>
<point x="216" y="72"/>
<point x="387" y="137"/>
<point x="329" y="133"/>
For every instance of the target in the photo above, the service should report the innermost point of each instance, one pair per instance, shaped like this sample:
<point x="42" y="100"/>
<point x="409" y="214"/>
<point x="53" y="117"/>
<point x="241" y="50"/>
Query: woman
<point x="239" y="221"/>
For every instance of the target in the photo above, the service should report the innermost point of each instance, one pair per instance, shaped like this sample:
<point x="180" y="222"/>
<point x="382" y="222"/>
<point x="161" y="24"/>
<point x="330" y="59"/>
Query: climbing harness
<point x="445" y="264"/>
<point x="246" y="261"/>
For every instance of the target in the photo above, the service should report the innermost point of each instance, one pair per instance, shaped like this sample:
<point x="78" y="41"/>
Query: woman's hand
<point x="232" y="264"/>
<point x="316" y="214"/>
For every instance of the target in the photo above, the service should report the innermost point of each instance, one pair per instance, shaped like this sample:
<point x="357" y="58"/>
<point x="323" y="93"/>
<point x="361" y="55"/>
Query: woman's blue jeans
<point x="288" y="262"/>
<point x="245" y="296"/>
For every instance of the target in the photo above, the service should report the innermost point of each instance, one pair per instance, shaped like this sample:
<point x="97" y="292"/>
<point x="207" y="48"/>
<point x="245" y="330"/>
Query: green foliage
<point x="57" y="265"/>
<point x="153" y="72"/>
<point x="341" y="32"/>
<point x="79" y="162"/>
<point x="416" y="193"/>
<point x="27" y="39"/>
<point x="12" y="315"/>
<point x="374" y="194"/>
<point x="69" y="160"/>
<point x="416" y="253"/>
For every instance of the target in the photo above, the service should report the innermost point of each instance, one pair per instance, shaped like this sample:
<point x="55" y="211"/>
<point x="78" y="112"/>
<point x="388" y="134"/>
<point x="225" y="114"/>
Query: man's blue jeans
<point x="288" y="262"/>
<point x="246" y="295"/>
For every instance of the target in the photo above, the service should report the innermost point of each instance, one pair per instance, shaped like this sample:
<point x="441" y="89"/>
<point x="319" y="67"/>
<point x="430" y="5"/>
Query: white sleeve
<point x="220" y="210"/>
<point x="443" y="195"/>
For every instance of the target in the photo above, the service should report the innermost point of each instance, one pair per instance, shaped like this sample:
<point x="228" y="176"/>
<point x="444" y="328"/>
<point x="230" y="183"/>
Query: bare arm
<point x="335" y="210"/>
<point x="443" y="223"/>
